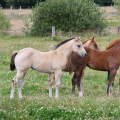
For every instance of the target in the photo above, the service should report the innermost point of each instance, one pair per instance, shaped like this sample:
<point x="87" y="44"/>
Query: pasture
<point x="36" y="103"/>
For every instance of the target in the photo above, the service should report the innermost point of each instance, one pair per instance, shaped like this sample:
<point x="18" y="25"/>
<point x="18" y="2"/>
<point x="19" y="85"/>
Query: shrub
<point x="4" y="23"/>
<point x="66" y="15"/>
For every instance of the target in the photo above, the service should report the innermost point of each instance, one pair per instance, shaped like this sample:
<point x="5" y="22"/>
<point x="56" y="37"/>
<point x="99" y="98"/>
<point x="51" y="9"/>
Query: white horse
<point x="46" y="62"/>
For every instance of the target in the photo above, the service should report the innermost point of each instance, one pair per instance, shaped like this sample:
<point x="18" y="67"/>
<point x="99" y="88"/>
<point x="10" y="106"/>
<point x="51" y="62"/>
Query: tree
<point x="4" y="23"/>
<point x="66" y="15"/>
<point x="104" y="2"/>
<point x="17" y="3"/>
<point x="117" y="2"/>
<point x="2" y="3"/>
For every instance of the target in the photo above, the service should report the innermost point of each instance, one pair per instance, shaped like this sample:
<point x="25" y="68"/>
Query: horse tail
<point x="12" y="63"/>
<point x="69" y="66"/>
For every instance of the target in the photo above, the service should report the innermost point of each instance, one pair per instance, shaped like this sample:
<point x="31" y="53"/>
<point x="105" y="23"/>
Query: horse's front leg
<point x="118" y="87"/>
<point x="79" y="83"/>
<point x="110" y="81"/>
<point x="74" y="81"/>
<point x="58" y="74"/>
<point x="51" y="78"/>
<point x="82" y="82"/>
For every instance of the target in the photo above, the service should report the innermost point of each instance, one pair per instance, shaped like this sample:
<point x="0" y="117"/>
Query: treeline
<point x="18" y="3"/>
<point x="104" y="2"/>
<point x="31" y="3"/>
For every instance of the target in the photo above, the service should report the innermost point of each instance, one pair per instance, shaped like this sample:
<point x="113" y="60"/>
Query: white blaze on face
<point x="87" y="43"/>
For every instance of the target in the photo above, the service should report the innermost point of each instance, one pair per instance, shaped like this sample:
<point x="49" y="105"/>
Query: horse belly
<point x="43" y="66"/>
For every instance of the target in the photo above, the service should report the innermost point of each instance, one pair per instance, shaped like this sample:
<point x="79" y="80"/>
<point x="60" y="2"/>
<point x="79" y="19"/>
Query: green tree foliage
<point x="17" y="3"/>
<point x="104" y="2"/>
<point x="4" y="23"/>
<point x="117" y="2"/>
<point x="66" y="15"/>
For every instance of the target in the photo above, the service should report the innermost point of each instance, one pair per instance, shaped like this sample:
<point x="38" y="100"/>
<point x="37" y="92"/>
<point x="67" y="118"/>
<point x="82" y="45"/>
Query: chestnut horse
<point x="87" y="43"/>
<point x="106" y="60"/>
<point x="47" y="62"/>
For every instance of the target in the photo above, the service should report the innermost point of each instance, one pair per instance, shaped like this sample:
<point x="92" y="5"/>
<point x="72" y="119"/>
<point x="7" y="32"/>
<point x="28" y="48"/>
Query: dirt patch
<point x="19" y="12"/>
<point x="17" y="18"/>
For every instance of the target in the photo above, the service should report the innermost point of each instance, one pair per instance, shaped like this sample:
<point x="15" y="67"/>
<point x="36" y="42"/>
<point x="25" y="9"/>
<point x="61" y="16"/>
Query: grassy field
<point x="36" y="104"/>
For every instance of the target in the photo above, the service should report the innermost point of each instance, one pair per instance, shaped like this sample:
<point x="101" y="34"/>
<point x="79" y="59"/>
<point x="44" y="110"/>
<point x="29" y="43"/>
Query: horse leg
<point x="110" y="81"/>
<point x="79" y="84"/>
<point x="82" y="82"/>
<point x="57" y="79"/>
<point x="74" y="82"/>
<point x="15" y="80"/>
<point x="51" y="78"/>
<point x="118" y="87"/>
<point x="19" y="86"/>
<point x="13" y="89"/>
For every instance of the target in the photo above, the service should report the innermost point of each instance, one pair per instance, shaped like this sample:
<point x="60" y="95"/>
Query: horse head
<point x="91" y="44"/>
<point x="87" y="43"/>
<point x="78" y="47"/>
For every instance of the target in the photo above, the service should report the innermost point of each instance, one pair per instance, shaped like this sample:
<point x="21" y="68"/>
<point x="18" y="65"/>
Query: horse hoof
<point x="50" y="96"/>
<point x="73" y="95"/>
<point x="80" y="94"/>
<point x="11" y="98"/>
<point x="21" y="97"/>
<point x="56" y="97"/>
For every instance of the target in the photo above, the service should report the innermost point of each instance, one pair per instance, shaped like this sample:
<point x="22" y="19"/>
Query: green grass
<point x="36" y="104"/>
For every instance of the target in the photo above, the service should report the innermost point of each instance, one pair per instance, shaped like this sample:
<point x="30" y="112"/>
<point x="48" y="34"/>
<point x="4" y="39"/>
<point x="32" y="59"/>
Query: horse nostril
<point x="85" y="55"/>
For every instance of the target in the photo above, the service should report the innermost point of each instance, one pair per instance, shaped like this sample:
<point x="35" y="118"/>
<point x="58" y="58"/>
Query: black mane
<point x="62" y="42"/>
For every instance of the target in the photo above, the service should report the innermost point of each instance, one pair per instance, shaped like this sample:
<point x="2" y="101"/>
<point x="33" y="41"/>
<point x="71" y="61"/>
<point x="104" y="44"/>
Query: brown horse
<point x="106" y="60"/>
<point x="87" y="43"/>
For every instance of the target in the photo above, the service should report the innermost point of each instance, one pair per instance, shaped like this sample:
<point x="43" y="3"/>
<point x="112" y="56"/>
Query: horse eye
<point x="78" y="46"/>
<point x="95" y="45"/>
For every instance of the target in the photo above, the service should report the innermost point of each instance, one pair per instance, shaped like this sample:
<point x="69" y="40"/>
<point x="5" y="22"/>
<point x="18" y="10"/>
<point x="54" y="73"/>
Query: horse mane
<point x="87" y="40"/>
<point x="113" y="43"/>
<point x="63" y="42"/>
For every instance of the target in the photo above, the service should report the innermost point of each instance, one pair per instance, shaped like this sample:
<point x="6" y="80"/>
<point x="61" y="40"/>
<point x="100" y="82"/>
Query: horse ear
<point x="93" y="38"/>
<point x="77" y="38"/>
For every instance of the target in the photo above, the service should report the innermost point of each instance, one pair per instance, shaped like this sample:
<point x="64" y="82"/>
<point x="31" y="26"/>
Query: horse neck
<point x="65" y="49"/>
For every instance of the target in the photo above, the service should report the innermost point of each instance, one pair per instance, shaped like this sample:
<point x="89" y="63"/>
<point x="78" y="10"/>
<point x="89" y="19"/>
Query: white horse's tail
<point x="12" y="63"/>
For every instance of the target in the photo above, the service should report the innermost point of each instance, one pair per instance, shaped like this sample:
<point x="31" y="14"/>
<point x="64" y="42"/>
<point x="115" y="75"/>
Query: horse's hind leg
<point x="13" y="89"/>
<point x="51" y="78"/>
<point x="19" y="86"/>
<point x="15" y="80"/>
<point x="57" y="79"/>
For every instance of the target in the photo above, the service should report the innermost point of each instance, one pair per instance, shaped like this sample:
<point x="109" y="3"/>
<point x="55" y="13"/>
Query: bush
<point x="4" y="23"/>
<point x="66" y="15"/>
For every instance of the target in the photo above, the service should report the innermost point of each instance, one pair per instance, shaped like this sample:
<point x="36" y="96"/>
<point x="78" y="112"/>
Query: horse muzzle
<point x="83" y="54"/>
